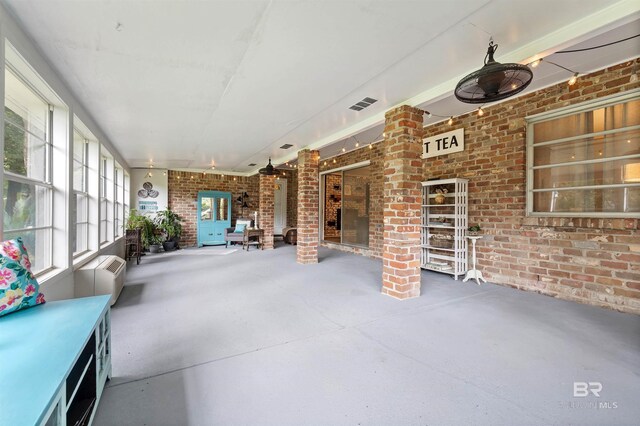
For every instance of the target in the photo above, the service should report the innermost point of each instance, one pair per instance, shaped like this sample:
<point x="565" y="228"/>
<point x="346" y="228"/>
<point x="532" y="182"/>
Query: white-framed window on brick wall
<point x="584" y="161"/>
<point x="80" y="215"/>
<point x="28" y="185"/>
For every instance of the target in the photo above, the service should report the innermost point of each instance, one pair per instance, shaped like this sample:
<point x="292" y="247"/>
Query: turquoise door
<point x="214" y="215"/>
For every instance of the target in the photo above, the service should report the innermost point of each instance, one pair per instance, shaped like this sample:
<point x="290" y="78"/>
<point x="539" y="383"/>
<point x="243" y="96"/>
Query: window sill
<point x="83" y="259"/>
<point x="48" y="274"/>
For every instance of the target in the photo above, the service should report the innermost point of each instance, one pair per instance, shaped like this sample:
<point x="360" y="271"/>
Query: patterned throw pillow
<point x="18" y="287"/>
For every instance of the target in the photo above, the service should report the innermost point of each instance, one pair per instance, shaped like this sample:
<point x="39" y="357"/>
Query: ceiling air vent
<point x="363" y="104"/>
<point x="286" y="146"/>
<point x="252" y="165"/>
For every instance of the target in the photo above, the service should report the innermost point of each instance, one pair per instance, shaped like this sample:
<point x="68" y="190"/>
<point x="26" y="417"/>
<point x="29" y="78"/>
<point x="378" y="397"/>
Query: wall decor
<point x="444" y="143"/>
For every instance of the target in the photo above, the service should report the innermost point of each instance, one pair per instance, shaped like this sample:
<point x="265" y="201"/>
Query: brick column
<point x="402" y="201"/>
<point x="266" y="210"/>
<point x="308" y="205"/>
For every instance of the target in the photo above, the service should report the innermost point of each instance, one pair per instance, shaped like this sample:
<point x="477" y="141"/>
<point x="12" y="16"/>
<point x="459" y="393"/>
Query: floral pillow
<point x="18" y="287"/>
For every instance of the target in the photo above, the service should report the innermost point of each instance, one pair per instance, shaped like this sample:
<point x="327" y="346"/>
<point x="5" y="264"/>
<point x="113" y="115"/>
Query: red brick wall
<point x="308" y="203"/>
<point x="594" y="261"/>
<point x="267" y="209"/>
<point x="183" y="197"/>
<point x="292" y="197"/>
<point x="402" y="201"/>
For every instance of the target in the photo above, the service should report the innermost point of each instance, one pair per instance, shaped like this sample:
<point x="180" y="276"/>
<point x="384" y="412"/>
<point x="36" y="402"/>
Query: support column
<point x="308" y="205"/>
<point x="402" y="202"/>
<point x="267" y="209"/>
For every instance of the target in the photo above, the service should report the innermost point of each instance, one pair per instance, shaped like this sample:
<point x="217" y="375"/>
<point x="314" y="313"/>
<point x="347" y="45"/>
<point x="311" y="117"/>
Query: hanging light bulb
<point x="480" y="112"/>
<point x="428" y="114"/>
<point x="344" y="149"/>
<point x="357" y="144"/>
<point x="191" y="176"/>
<point x="325" y="163"/>
<point x="535" y="63"/>
<point x="334" y="161"/>
<point x="450" y="122"/>
<point x="573" y="79"/>
<point x="178" y="177"/>
<point x="370" y="146"/>
<point x="164" y="173"/>
<point x="384" y="134"/>
<point x="150" y="174"/>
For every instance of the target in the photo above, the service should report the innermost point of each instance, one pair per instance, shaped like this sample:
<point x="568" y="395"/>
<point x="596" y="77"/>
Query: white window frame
<point x="562" y="112"/>
<point x="118" y="184"/>
<point x="84" y="193"/>
<point x="46" y="182"/>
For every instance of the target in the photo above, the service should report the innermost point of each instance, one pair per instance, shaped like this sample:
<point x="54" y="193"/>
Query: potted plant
<point x="170" y="224"/>
<point x="145" y="224"/>
<point x="474" y="230"/>
<point x="155" y="243"/>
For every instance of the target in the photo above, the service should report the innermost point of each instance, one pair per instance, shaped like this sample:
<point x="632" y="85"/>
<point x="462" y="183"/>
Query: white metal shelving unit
<point x="450" y="220"/>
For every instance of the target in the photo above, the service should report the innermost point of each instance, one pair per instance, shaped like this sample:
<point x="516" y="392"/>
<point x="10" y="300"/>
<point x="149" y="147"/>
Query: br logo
<point x="582" y="389"/>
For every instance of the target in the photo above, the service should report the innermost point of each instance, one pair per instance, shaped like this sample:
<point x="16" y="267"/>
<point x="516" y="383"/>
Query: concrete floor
<point x="255" y="339"/>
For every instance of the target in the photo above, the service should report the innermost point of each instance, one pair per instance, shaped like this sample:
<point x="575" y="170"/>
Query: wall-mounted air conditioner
<point x="103" y="275"/>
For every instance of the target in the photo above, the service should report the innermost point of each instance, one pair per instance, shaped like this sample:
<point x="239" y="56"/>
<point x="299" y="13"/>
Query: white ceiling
<point x="188" y="83"/>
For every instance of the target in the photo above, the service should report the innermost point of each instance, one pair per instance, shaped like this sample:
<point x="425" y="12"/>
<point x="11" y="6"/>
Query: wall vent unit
<point x="252" y="165"/>
<point x="102" y="275"/>
<point x="286" y="146"/>
<point x="359" y="106"/>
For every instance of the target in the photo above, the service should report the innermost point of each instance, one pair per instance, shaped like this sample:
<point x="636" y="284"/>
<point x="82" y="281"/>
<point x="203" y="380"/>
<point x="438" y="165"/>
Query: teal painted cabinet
<point x="214" y="214"/>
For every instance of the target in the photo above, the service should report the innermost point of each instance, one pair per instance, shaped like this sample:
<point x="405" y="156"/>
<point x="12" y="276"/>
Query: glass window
<point x="119" y="206"/>
<point x="586" y="163"/>
<point x="80" y="215"/>
<point x="27" y="176"/>
<point x="106" y="200"/>
<point x="346" y="206"/>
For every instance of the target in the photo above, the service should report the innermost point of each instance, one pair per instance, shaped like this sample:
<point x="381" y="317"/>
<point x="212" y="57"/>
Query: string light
<point x="450" y="122"/>
<point x="535" y="63"/>
<point x="480" y="112"/>
<point x="573" y="79"/>
<point x="334" y="161"/>
<point x="370" y="146"/>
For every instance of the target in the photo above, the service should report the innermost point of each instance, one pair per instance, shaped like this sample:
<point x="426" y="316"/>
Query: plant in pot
<point x="145" y="224"/>
<point x="474" y="230"/>
<point x="156" y="243"/>
<point x="170" y="224"/>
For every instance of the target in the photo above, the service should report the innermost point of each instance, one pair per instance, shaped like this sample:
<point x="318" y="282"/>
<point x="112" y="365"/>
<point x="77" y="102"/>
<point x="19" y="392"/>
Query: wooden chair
<point x="133" y="242"/>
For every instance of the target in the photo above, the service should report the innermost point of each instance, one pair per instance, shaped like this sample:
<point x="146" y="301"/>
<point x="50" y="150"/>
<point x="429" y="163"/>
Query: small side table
<point x="253" y="237"/>
<point x="473" y="273"/>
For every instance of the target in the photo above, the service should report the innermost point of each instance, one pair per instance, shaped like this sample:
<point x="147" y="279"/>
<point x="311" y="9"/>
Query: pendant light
<point x="494" y="81"/>
<point x="269" y="170"/>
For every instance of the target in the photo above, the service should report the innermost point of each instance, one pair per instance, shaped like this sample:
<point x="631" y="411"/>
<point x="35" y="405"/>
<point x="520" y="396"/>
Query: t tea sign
<point x="444" y="143"/>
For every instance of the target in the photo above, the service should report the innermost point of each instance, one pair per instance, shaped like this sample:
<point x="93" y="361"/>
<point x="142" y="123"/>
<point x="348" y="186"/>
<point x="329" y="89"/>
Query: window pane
<point x="223" y="212"/>
<point x="26" y="117"/>
<point x="82" y="234"/>
<point x="79" y="162"/>
<point x="625" y="200"/>
<point x="604" y="173"/>
<point x="206" y="210"/>
<point x="38" y="244"/>
<point x="355" y="206"/>
<point x="25" y="205"/>
<point x="609" y="118"/>
<point x="614" y="145"/>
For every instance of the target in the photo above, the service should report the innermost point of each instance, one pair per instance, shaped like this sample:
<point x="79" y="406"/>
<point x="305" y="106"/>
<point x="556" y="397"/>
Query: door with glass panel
<point x="346" y="206"/>
<point x="214" y="215"/>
